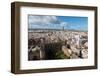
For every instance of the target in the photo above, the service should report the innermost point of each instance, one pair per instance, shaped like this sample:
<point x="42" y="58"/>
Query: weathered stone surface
<point x="77" y="40"/>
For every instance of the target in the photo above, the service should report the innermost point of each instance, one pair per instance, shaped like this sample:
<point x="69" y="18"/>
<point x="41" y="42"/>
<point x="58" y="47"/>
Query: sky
<point x="58" y="22"/>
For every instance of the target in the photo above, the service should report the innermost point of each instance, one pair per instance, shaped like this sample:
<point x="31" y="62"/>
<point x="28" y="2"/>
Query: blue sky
<point x="58" y="22"/>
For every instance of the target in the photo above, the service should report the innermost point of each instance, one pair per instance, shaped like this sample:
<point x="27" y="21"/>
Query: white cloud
<point x="63" y="24"/>
<point x="43" y="20"/>
<point x="51" y="22"/>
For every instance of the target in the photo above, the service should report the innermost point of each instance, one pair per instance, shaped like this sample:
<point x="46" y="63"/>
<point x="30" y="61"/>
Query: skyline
<point x="58" y="22"/>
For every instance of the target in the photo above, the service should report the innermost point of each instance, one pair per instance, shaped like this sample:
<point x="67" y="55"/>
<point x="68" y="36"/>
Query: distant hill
<point x="59" y="30"/>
